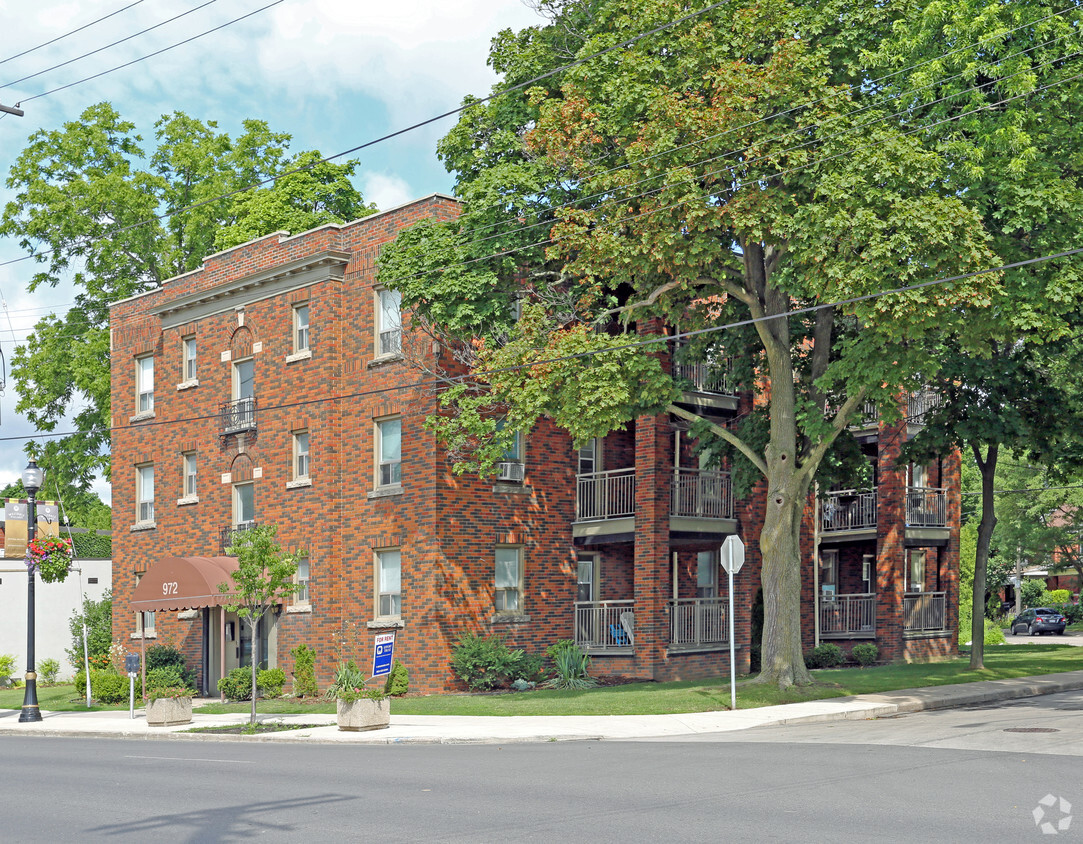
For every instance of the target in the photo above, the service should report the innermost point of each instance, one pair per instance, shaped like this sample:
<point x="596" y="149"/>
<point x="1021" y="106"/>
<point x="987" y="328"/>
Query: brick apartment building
<point x="273" y="385"/>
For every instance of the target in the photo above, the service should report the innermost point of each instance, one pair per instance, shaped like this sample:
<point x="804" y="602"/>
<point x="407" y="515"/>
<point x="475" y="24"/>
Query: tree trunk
<point x="987" y="467"/>
<point x="253" y="625"/>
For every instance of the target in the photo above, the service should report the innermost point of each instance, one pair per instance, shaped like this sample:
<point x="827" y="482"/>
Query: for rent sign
<point x="383" y="652"/>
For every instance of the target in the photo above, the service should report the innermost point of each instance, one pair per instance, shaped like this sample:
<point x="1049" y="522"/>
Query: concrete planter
<point x="168" y="711"/>
<point x="364" y="714"/>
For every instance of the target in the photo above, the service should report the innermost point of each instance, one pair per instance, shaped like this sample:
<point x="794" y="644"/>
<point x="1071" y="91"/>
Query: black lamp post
<point x="32" y="480"/>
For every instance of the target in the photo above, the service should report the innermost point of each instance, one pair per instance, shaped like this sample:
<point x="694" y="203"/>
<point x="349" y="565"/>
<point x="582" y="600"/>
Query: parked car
<point x="1039" y="620"/>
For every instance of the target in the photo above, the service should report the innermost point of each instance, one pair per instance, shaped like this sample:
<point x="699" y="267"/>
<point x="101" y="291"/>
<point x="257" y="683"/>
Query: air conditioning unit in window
<point x="510" y="473"/>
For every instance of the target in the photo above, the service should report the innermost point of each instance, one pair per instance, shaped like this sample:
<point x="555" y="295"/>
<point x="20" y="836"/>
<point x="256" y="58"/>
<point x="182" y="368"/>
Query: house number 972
<point x="169" y="588"/>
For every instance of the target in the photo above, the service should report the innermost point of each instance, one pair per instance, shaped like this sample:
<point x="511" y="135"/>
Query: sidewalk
<point x="453" y="729"/>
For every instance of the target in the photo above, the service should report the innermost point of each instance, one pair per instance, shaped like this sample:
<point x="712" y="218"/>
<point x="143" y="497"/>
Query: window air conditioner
<point x="511" y="472"/>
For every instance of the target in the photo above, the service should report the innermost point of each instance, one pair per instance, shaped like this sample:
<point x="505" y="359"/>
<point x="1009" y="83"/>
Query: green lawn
<point x="657" y="698"/>
<point x="58" y="699"/>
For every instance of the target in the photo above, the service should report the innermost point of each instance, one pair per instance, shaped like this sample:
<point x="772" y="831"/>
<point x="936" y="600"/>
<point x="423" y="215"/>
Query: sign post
<point x="131" y="665"/>
<point x="732" y="557"/>
<point x="383" y="652"/>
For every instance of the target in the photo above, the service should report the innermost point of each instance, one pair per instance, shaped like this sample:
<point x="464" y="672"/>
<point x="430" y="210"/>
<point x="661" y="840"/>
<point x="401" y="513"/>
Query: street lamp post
<point x="32" y="480"/>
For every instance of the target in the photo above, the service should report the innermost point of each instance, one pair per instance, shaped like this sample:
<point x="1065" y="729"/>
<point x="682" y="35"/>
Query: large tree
<point x="95" y="208"/>
<point x="734" y="167"/>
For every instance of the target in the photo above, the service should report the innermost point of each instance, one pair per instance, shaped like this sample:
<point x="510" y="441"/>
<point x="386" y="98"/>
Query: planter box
<point x="167" y="711"/>
<point x="364" y="714"/>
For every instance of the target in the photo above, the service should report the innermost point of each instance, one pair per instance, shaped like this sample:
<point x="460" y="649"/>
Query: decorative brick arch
<point x="242" y="341"/>
<point x="241" y="466"/>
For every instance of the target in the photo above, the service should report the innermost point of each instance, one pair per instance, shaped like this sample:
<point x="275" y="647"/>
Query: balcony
<point x="706" y="386"/>
<point x="852" y="510"/>
<point x="606" y="627"/>
<point x="925" y="613"/>
<point x="701" y="505"/>
<point x="236" y="417"/>
<point x="697" y="623"/>
<point x="848" y="616"/>
<point x="926" y="507"/>
<point x="920" y="403"/>
<point x="226" y="534"/>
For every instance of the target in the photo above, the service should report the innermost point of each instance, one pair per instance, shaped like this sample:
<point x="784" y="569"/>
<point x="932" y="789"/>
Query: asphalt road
<point x="899" y="779"/>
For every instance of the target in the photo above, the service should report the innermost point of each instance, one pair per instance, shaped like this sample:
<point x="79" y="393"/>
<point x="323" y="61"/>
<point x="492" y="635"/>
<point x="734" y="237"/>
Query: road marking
<point x="192" y="759"/>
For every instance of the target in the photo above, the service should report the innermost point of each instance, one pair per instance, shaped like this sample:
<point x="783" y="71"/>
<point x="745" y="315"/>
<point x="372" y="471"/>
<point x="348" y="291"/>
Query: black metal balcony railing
<point x="226" y="534"/>
<point x="848" y="509"/>
<point x="237" y="416"/>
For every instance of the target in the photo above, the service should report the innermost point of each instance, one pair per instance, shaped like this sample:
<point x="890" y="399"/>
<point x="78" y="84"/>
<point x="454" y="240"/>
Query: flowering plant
<point x="349" y="685"/>
<point x="50" y="556"/>
<point x="158" y="692"/>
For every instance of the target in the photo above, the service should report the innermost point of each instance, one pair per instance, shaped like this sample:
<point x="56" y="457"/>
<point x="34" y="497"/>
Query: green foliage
<point x="865" y="654"/>
<point x="1072" y="612"/>
<point x="398" y="681"/>
<point x="82" y="509"/>
<point x="166" y="656"/>
<point x="304" y="671"/>
<point x="350" y="684"/>
<point x="572" y="670"/>
<point x="237" y="685"/>
<point x="99" y="628"/>
<point x="86" y="202"/>
<point x="7" y="665"/>
<point x="1031" y="591"/>
<point x="90" y="546"/>
<point x="1059" y="596"/>
<point x="270" y="682"/>
<point x="826" y="655"/>
<point x="47" y="669"/>
<point x="994" y="635"/>
<point x="106" y="685"/>
<point x="484" y="662"/>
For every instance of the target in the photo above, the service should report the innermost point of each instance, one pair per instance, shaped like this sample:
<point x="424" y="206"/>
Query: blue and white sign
<point x="383" y="653"/>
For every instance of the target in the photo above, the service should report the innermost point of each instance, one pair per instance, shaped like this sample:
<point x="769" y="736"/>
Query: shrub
<point x="865" y="654"/>
<point x="992" y="607"/>
<point x="349" y="684"/>
<point x="304" y="671"/>
<point x="398" y="681"/>
<point x="993" y="634"/>
<point x="237" y="685"/>
<point x="571" y="667"/>
<point x="47" y="670"/>
<point x="1031" y="591"/>
<point x="165" y="676"/>
<point x="99" y="630"/>
<point x="7" y="665"/>
<point x="270" y="682"/>
<point x="529" y="667"/>
<point x="483" y="662"/>
<point x="824" y="656"/>
<point x="165" y="656"/>
<point x="106" y="686"/>
<point x="1060" y="596"/>
<point x="1072" y="612"/>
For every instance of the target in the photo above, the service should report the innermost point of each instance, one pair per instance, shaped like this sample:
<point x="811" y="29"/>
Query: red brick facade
<point x="239" y="307"/>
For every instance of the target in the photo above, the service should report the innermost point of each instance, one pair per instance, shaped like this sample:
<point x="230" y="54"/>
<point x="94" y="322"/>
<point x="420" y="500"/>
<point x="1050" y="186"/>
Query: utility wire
<point x="1033" y="489"/>
<point x="644" y="342"/>
<point x="150" y="56"/>
<point x="72" y="32"/>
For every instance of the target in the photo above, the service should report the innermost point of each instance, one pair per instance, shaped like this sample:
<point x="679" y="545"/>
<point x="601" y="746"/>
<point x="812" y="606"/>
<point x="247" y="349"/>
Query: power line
<point x="150" y="56"/>
<point x="71" y="32"/>
<point x="647" y="341"/>
<point x="1033" y="489"/>
<point x="107" y="46"/>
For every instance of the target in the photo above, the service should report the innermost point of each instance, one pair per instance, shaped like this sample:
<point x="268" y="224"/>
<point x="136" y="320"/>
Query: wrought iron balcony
<point x="226" y="534"/>
<point x="238" y="416"/>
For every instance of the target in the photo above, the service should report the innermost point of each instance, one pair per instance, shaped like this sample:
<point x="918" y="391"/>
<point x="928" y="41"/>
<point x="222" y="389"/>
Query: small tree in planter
<point x="264" y="578"/>
<point x="168" y="697"/>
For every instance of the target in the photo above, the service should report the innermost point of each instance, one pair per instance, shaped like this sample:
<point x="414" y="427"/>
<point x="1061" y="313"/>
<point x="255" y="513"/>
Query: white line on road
<point x="192" y="759"/>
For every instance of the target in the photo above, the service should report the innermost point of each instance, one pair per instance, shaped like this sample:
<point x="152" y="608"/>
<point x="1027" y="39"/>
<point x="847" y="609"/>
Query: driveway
<point x="1070" y="637"/>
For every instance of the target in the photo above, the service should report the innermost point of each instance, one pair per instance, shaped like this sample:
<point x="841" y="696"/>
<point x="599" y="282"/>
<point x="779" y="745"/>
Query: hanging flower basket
<point x="50" y="556"/>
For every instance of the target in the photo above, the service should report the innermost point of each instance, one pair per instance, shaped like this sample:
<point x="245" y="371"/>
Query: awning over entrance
<point x="184" y="583"/>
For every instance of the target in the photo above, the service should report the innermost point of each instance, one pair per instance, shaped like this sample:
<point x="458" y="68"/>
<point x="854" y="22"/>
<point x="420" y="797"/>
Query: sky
<point x="331" y="73"/>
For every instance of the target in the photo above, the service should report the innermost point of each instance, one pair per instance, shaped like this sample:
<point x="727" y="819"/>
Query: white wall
<point x="54" y="605"/>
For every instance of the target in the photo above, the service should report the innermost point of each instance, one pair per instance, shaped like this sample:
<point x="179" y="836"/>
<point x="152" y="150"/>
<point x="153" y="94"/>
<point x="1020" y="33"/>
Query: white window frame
<point x="393" y="467"/>
<point x="388" y="600"/>
<point x="303" y="597"/>
<point x="912" y="556"/>
<point x="829" y="572"/>
<point x="235" y="379"/>
<point x="502" y="591"/>
<point x="144" y="384"/>
<point x="707" y="562"/>
<point x="388" y="331"/>
<point x="237" y="504"/>
<point x="144" y="503"/>
<point x="301" y="464"/>
<point x="140" y="632"/>
<point x="189" y="369"/>
<point x="189" y="476"/>
<point x="301" y="333"/>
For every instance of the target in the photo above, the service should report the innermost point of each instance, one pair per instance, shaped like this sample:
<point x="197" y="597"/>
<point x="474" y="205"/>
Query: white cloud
<point x="386" y="190"/>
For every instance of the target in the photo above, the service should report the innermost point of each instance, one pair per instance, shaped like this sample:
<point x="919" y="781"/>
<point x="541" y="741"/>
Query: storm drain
<point x="1031" y="730"/>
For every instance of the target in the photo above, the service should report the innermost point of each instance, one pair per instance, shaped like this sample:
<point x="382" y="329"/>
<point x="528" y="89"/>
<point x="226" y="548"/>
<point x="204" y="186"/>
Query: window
<point x="510" y="469"/>
<point x="509" y="580"/>
<point x="144" y="621"/>
<point x="389" y="580"/>
<point x="144" y="493"/>
<point x="389" y="452"/>
<point x="300" y="455"/>
<point x="189" y="354"/>
<point x="189" y="474"/>
<point x="244" y="379"/>
<point x="301" y="579"/>
<point x="707" y="564"/>
<point x="389" y="322"/>
<point x="915" y="571"/>
<point x="144" y="384"/>
<point x="300" y="328"/>
<point x="244" y="505"/>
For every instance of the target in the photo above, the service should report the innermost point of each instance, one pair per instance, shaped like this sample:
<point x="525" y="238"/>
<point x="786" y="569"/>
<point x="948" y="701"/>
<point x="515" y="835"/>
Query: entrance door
<point x="587" y="613"/>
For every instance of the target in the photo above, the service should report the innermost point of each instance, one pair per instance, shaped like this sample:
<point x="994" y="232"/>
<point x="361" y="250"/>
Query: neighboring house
<point x="274" y="385"/>
<point x="54" y="605"/>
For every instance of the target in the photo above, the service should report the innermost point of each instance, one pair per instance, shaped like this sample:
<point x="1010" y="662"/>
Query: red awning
<point x="184" y="583"/>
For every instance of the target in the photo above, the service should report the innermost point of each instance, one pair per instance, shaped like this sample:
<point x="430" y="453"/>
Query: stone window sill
<point x="190" y="499"/>
<point x="299" y="483"/>
<point x="304" y="354"/>
<point x="386" y="624"/>
<point x="187" y="615"/>
<point x="512" y="489"/>
<point x="385" y="492"/>
<point x="299" y="608"/>
<point x="383" y="360"/>
<point x="141" y="417"/>
<point x="509" y="618"/>
<point x="143" y="526"/>
<point x="187" y="385"/>
<point x="148" y="636"/>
